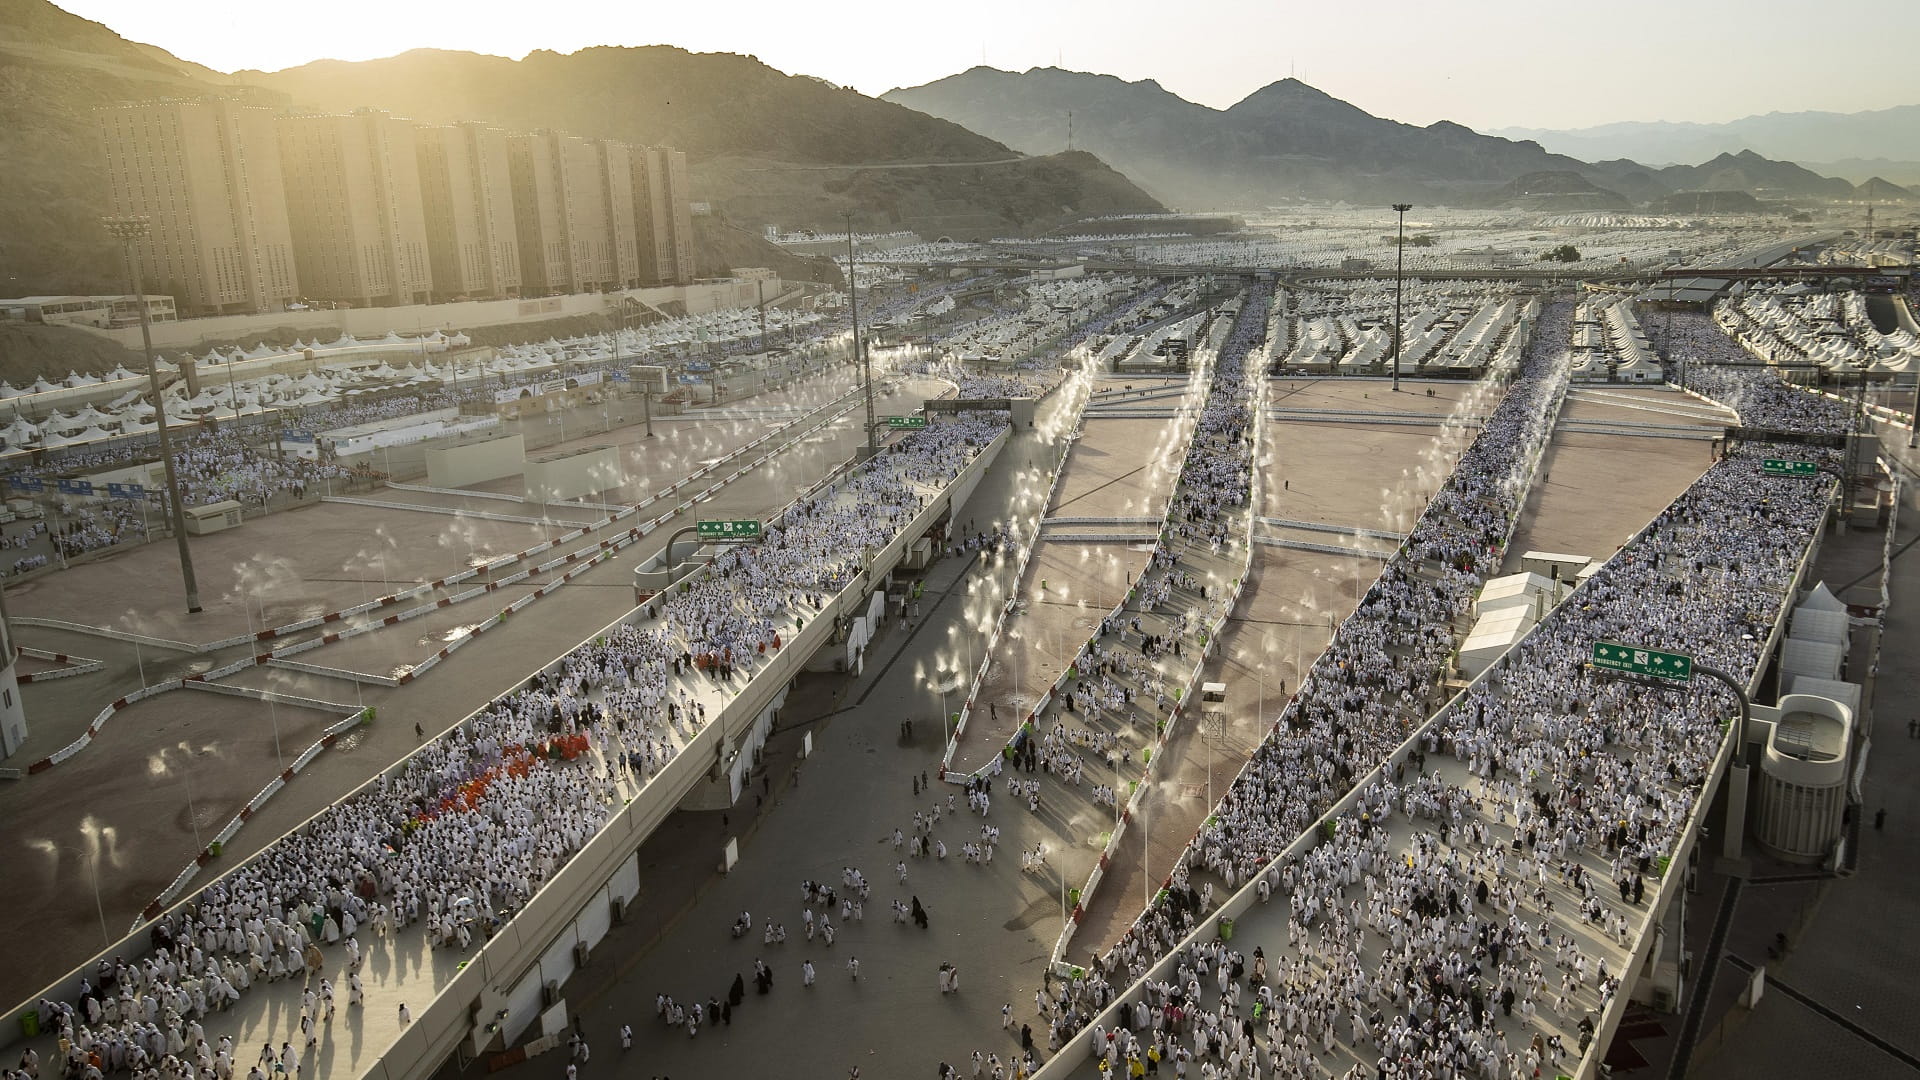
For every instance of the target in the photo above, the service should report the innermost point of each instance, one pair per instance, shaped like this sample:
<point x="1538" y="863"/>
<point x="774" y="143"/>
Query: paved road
<point x="1844" y="1002"/>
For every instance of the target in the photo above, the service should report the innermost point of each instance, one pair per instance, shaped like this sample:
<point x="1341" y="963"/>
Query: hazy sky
<point x="1483" y="63"/>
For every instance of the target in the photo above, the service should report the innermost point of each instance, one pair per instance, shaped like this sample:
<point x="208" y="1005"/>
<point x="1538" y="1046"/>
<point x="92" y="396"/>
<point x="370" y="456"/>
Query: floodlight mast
<point x="130" y="230"/>
<point x="859" y="347"/>
<point x="1399" y="264"/>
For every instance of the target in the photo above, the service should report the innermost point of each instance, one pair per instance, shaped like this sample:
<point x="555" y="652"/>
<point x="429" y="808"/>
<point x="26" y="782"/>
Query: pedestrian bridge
<point x="485" y="1000"/>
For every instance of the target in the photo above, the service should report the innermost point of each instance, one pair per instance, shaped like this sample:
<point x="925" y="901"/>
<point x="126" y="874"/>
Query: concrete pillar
<point x="1733" y="836"/>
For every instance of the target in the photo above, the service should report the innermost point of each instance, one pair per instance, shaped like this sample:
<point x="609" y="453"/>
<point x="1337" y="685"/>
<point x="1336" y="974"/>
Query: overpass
<point x="1802" y="273"/>
<point x="489" y="996"/>
<point x="1649" y="949"/>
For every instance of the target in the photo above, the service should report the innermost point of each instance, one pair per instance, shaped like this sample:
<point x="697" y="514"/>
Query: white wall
<point x="473" y="463"/>
<point x="414" y="318"/>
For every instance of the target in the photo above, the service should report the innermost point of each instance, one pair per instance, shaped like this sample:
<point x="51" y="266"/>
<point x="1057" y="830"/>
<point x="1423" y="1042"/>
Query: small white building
<point x="1526" y="589"/>
<point x="1553" y="565"/>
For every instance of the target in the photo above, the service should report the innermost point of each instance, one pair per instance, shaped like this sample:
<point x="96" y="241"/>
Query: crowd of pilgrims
<point x="227" y="460"/>
<point x="1697" y="349"/>
<point x="1214" y="483"/>
<point x="468" y="828"/>
<point x="1215" y="478"/>
<point x="212" y="465"/>
<point x="1036" y="374"/>
<point x="1450" y="921"/>
<point x="213" y="462"/>
<point x="1217" y="474"/>
<point x="756" y="592"/>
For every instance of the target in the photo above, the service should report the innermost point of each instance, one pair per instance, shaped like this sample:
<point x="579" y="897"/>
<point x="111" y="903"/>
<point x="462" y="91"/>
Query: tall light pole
<point x="1913" y="418"/>
<point x="762" y="285"/>
<point x="1399" y="266"/>
<point x="130" y="230"/>
<point x="859" y="349"/>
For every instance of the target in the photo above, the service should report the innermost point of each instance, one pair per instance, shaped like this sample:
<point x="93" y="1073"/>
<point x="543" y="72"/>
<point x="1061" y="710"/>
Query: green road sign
<point x="728" y="530"/>
<point x="1783" y="467"/>
<point x="1636" y="661"/>
<point x="906" y="423"/>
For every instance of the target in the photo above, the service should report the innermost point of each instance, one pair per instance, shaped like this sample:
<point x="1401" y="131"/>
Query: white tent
<point x="1491" y="637"/>
<point x="1819" y="659"/>
<point x="1821" y="598"/>
<point x="1814" y="624"/>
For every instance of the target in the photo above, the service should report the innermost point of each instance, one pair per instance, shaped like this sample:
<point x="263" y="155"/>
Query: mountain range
<point x="1854" y="145"/>
<point x="979" y="154"/>
<point x="1289" y="140"/>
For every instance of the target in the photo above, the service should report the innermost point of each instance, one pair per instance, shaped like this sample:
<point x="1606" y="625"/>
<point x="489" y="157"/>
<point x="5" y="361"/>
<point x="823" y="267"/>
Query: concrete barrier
<point x="76" y="665"/>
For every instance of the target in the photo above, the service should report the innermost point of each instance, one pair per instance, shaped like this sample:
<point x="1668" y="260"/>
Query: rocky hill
<point x="1284" y="141"/>
<point x="1562" y="190"/>
<point x="1289" y="141"/>
<point x="708" y="104"/>
<point x="764" y="146"/>
<point x="1749" y="172"/>
<point x="1877" y="189"/>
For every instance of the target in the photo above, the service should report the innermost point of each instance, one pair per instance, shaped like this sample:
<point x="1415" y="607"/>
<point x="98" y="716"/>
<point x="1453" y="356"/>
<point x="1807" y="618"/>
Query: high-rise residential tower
<point x="354" y="201"/>
<point x="663" y="215"/>
<point x="467" y="195"/>
<point x="207" y="176"/>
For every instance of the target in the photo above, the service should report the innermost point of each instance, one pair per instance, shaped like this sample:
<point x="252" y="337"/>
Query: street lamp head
<point x="1402" y="207"/>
